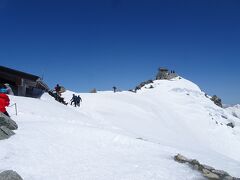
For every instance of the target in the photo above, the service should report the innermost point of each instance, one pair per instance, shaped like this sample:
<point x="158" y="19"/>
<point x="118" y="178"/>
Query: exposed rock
<point x="8" y="122"/>
<point x="194" y="162"/>
<point x="5" y="132"/>
<point x="220" y="172"/>
<point x="207" y="171"/>
<point x="196" y="167"/>
<point x="228" y="178"/>
<point x="217" y="101"/>
<point x="180" y="158"/>
<point x="211" y="175"/>
<point x="6" y="126"/>
<point x="224" y="117"/>
<point x="207" y="167"/>
<point x="230" y="125"/>
<point x="93" y="90"/>
<point x="10" y="175"/>
<point x="143" y="84"/>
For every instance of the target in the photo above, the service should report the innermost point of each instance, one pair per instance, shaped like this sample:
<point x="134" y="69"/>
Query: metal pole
<point x="16" y="108"/>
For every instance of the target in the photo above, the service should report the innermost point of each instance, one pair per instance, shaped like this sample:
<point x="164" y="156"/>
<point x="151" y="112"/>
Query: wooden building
<point x="23" y="84"/>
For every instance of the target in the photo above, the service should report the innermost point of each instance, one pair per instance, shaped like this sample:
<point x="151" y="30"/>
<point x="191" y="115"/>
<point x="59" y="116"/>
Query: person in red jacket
<point x="4" y="100"/>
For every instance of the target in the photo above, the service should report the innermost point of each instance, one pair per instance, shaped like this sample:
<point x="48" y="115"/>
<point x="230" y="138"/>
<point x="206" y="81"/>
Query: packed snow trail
<point x="121" y="135"/>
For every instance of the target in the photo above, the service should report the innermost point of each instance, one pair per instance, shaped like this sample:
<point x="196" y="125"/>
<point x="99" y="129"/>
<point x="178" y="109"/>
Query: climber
<point x="9" y="89"/>
<point x="114" y="89"/>
<point x="4" y="99"/>
<point x="78" y="100"/>
<point x="57" y="89"/>
<point x="74" y="100"/>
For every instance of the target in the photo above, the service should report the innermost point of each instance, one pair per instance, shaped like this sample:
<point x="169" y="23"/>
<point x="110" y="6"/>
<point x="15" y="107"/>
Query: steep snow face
<point x="122" y="135"/>
<point x="234" y="110"/>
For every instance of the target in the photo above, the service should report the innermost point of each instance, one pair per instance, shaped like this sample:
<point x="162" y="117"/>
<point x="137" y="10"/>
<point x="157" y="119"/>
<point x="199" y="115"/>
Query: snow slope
<point x="122" y="135"/>
<point x="234" y="110"/>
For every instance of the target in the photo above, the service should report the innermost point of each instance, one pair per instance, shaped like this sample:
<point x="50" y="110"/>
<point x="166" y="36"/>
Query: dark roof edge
<point x="3" y="68"/>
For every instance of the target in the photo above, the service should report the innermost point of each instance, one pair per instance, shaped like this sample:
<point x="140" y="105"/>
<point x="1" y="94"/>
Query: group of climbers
<point x="6" y="90"/>
<point x="76" y="100"/>
<point x="57" y="94"/>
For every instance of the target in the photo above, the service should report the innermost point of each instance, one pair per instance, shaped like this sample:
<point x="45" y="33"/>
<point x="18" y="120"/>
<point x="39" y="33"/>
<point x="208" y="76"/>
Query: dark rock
<point x="207" y="167"/>
<point x="196" y="167"/>
<point x="228" y="178"/>
<point x="10" y="175"/>
<point x="142" y="84"/>
<point x="230" y="125"/>
<point x="194" y="162"/>
<point x="211" y="176"/>
<point x="220" y="172"/>
<point x="207" y="171"/>
<point x="8" y="122"/>
<point x="5" y="132"/>
<point x="217" y="101"/>
<point x="93" y="90"/>
<point x="235" y="115"/>
<point x="180" y="158"/>
<point x="224" y="117"/>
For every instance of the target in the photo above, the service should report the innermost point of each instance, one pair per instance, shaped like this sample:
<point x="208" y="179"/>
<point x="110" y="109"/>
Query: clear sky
<point x="86" y="44"/>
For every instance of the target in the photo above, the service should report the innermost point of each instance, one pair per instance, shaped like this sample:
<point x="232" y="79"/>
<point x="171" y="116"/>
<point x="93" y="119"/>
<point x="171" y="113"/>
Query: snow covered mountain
<point x="122" y="135"/>
<point x="234" y="110"/>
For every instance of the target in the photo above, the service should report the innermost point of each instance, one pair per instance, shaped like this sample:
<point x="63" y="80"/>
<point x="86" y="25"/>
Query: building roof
<point x="163" y="69"/>
<point x="19" y="73"/>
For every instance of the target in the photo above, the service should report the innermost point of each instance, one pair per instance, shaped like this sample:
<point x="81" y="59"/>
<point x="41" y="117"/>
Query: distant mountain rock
<point x="217" y="101"/>
<point x="234" y="110"/>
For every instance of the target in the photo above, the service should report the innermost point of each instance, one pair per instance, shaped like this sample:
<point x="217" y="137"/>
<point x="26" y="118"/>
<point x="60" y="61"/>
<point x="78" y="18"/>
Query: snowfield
<point x="234" y="110"/>
<point x="122" y="136"/>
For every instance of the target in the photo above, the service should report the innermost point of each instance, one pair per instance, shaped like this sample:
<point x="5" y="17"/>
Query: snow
<point x="122" y="135"/>
<point x="234" y="110"/>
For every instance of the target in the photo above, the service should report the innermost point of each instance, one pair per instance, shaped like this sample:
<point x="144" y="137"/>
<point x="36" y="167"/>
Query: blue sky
<point x="101" y="43"/>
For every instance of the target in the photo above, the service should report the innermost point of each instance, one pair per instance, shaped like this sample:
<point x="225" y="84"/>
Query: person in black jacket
<point x="74" y="100"/>
<point x="78" y="100"/>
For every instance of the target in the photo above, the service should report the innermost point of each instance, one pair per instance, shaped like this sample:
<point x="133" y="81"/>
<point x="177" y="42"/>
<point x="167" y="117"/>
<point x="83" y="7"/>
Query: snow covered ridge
<point x="234" y="110"/>
<point x="122" y="135"/>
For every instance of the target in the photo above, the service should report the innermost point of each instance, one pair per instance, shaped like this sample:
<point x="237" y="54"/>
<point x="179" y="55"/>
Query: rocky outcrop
<point x="6" y="126"/>
<point x="94" y="90"/>
<point x="142" y="84"/>
<point x="8" y="122"/>
<point x="10" y="175"/>
<point x="5" y="133"/>
<point x="217" y="101"/>
<point x="207" y="171"/>
<point x="230" y="125"/>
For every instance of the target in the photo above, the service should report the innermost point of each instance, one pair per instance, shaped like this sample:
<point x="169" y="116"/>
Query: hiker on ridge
<point x="114" y="89"/>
